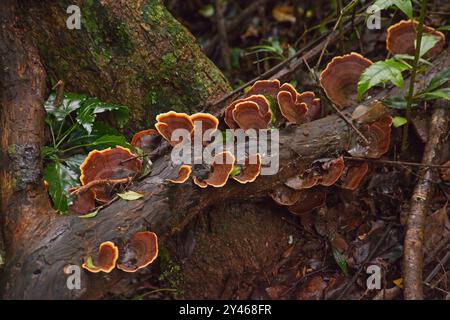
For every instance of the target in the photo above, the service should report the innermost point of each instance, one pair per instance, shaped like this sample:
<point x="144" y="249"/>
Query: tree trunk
<point x="131" y="52"/>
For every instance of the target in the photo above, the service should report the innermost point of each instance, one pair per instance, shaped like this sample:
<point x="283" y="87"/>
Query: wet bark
<point x="129" y="52"/>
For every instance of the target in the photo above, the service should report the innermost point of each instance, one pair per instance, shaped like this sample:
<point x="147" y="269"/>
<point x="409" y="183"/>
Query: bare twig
<point x="413" y="243"/>
<point x="221" y="29"/>
<point x="397" y="163"/>
<point x="87" y="186"/>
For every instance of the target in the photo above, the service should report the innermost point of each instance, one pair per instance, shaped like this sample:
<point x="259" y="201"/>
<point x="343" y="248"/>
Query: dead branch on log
<point x="413" y="244"/>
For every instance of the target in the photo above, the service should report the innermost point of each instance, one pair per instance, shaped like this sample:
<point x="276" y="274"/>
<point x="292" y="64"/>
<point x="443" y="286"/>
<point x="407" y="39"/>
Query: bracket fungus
<point x="379" y="136"/>
<point x="147" y="140"/>
<point x="298" y="108"/>
<point x="340" y="78"/>
<point x="184" y="172"/>
<point x="207" y="122"/>
<point x="264" y="87"/>
<point x="108" y="164"/>
<point x="332" y="171"/>
<point x="323" y="173"/>
<point x="401" y="38"/>
<point x="354" y="175"/>
<point x="250" y="170"/>
<point x="170" y="121"/>
<point x="106" y="260"/>
<point x="309" y="200"/>
<point x="139" y="252"/>
<point x="445" y="172"/>
<point x="248" y="115"/>
<point x="219" y="171"/>
<point x="83" y="203"/>
<point x="261" y="112"/>
<point x="284" y="195"/>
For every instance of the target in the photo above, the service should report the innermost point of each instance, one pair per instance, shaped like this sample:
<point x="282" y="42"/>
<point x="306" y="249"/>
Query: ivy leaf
<point x="111" y="141"/>
<point x="91" y="214"/>
<point x="439" y="80"/>
<point x="379" y="73"/>
<point x="130" y="195"/>
<point x="60" y="178"/>
<point x="69" y="103"/>
<point x="437" y="94"/>
<point x="399" y="121"/>
<point x="236" y="171"/>
<point x="428" y="42"/>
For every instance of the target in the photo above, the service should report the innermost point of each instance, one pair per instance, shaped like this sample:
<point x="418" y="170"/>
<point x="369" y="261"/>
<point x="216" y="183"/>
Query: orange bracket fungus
<point x="248" y="115"/>
<point x="146" y="140"/>
<point x="140" y="251"/>
<point x="263" y="111"/>
<point x="309" y="200"/>
<point x="265" y="87"/>
<point x="207" y="121"/>
<point x="116" y="163"/>
<point x="219" y="172"/>
<point x="107" y="257"/>
<point x="306" y="180"/>
<point x="250" y="170"/>
<point x="379" y="136"/>
<point x="83" y="203"/>
<point x="445" y="172"/>
<point x="332" y="171"/>
<point x="184" y="172"/>
<point x="401" y="38"/>
<point x="298" y="108"/>
<point x="340" y="78"/>
<point x="354" y="175"/>
<point x="168" y="122"/>
<point x="285" y="196"/>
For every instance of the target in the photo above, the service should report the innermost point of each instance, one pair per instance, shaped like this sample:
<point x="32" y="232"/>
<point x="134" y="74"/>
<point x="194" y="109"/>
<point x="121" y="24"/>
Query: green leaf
<point x="399" y="121"/>
<point x="428" y="42"/>
<point x="236" y="171"/>
<point x="111" y="141"/>
<point x="395" y="102"/>
<point x="207" y="11"/>
<point x="444" y="28"/>
<point x="340" y="260"/>
<point x="439" y="80"/>
<point x="91" y="214"/>
<point x="87" y="114"/>
<point x="379" y="73"/>
<point x="273" y="108"/>
<point x="89" y="263"/>
<point x="403" y="5"/>
<point x="130" y="195"/>
<point x="49" y="153"/>
<point x="74" y="163"/>
<point x="69" y="103"/>
<point x="437" y="94"/>
<point x="60" y="178"/>
<point x="403" y="57"/>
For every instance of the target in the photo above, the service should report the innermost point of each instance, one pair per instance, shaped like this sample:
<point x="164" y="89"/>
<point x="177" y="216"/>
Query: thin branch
<point x="87" y="186"/>
<point x="398" y="163"/>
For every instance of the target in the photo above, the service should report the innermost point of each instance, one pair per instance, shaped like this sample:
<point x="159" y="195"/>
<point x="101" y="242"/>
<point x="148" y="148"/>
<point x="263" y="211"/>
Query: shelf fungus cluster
<point x="139" y="252"/>
<point x="305" y="192"/>
<point x="101" y="172"/>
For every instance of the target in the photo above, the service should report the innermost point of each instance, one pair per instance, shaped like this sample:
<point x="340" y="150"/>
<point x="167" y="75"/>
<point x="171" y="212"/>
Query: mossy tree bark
<point x="131" y="52"/>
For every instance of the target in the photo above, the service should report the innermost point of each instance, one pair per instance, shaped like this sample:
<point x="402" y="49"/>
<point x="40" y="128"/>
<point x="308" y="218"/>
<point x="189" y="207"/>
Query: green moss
<point x="11" y="150"/>
<point x="123" y="35"/>
<point x="150" y="97"/>
<point x="170" y="271"/>
<point x="153" y="11"/>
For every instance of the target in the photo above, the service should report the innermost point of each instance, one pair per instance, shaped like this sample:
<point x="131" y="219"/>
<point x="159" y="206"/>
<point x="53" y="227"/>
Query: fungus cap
<point x="140" y="251"/>
<point x="309" y="200"/>
<point x="340" y="78"/>
<point x="248" y="115"/>
<point x="284" y="195"/>
<point x="354" y="176"/>
<point x="170" y="121"/>
<point x="83" y="203"/>
<point x="184" y="172"/>
<point x="332" y="171"/>
<point x="260" y="100"/>
<point x="250" y="170"/>
<point x="145" y="138"/>
<point x="220" y="170"/>
<point x="265" y="87"/>
<point x="401" y="38"/>
<point x="106" y="260"/>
